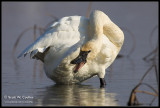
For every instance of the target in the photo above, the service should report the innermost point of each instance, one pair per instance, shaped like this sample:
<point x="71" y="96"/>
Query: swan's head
<point x="80" y="60"/>
<point x="88" y="52"/>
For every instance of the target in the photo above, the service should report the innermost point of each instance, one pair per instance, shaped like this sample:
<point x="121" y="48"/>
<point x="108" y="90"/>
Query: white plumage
<point x="63" y="40"/>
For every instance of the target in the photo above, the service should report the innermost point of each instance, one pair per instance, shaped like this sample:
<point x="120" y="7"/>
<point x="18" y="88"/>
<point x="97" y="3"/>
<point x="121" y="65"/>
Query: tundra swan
<point x="77" y="48"/>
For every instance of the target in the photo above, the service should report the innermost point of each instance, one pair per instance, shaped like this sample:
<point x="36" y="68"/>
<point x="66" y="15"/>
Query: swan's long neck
<point x="96" y="23"/>
<point x="101" y="24"/>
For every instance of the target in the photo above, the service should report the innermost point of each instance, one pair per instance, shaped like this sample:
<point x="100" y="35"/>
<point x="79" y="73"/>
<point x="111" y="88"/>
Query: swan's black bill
<point x="80" y="60"/>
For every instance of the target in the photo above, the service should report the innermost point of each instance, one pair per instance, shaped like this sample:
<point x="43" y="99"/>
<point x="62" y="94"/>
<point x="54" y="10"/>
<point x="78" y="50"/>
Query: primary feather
<point x="64" y="33"/>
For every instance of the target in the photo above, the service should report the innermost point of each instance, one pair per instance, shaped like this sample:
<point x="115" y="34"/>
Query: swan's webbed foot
<point x="102" y="82"/>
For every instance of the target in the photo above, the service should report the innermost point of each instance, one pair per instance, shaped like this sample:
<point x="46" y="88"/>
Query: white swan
<point x="76" y="48"/>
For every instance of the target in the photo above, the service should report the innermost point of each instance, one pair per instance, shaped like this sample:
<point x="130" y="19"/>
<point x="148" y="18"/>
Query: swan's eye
<point x="89" y="51"/>
<point x="84" y="53"/>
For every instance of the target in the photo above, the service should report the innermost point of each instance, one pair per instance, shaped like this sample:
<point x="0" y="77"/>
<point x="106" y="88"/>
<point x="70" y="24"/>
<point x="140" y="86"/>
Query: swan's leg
<point x="101" y="76"/>
<point x="102" y="82"/>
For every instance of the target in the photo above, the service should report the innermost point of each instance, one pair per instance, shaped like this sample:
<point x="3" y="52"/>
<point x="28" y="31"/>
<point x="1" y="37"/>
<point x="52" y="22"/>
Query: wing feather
<point x="66" y="32"/>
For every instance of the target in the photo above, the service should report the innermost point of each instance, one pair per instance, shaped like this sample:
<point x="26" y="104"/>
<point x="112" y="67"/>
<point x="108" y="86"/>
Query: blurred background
<point x="25" y="77"/>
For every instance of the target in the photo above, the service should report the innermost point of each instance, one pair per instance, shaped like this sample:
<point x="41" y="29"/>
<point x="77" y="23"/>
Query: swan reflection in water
<point x="74" y="95"/>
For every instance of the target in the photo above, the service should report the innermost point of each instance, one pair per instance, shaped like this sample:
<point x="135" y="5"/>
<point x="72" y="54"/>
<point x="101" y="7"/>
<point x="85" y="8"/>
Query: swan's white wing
<point x="72" y="49"/>
<point x="66" y="32"/>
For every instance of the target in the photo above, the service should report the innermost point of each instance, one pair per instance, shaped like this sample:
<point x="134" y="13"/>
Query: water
<point x="23" y="87"/>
